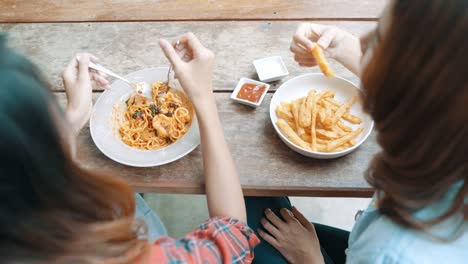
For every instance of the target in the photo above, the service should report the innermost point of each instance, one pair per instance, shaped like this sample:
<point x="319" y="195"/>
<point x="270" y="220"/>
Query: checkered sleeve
<point x="218" y="240"/>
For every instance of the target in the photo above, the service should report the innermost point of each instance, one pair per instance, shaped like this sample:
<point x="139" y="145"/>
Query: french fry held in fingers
<point x="322" y="61"/>
<point x="317" y="122"/>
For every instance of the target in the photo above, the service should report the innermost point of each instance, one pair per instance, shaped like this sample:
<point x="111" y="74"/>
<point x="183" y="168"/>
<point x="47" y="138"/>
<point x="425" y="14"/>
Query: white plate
<point x="102" y="126"/>
<point x="299" y="86"/>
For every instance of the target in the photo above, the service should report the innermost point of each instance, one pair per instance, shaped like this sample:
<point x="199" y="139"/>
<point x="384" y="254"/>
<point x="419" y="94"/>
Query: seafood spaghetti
<point x="147" y="124"/>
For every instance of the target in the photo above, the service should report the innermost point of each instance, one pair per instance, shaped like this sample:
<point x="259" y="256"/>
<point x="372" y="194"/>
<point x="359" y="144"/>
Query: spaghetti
<point x="157" y="124"/>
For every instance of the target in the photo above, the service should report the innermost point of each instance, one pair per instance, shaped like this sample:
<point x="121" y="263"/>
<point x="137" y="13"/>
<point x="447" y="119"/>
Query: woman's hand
<point x="294" y="238"/>
<point x="193" y="66"/>
<point x="337" y="44"/>
<point x="77" y="80"/>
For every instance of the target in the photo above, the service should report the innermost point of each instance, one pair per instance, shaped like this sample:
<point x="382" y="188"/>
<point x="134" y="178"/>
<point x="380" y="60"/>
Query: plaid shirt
<point x="218" y="240"/>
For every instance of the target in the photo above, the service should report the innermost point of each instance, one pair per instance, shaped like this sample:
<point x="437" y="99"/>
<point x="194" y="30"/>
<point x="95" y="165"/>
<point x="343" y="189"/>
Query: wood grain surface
<point x="159" y="10"/>
<point x="129" y="46"/>
<point x="266" y="165"/>
<point x="238" y="32"/>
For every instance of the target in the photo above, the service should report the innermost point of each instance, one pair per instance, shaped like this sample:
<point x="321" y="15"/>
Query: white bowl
<point x="270" y="69"/>
<point x="103" y="127"/>
<point x="299" y="86"/>
<point x="241" y="82"/>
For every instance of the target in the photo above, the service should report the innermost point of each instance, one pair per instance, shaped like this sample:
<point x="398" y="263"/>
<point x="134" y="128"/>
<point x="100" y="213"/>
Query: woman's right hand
<point x="337" y="44"/>
<point x="193" y="66"/>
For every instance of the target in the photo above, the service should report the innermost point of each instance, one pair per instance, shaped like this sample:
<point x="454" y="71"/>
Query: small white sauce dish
<point x="270" y="69"/>
<point x="243" y="81"/>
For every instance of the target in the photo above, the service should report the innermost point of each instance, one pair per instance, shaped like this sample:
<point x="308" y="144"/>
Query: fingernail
<point x="268" y="210"/>
<point x="289" y="212"/>
<point x="162" y="43"/>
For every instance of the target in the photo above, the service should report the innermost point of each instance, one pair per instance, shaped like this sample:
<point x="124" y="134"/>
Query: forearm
<point x="76" y="121"/>
<point x="224" y="193"/>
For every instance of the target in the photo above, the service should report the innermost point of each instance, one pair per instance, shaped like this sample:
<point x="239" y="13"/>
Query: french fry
<point x="328" y="121"/>
<point x="352" y="119"/>
<point x="284" y="113"/>
<point x="306" y="137"/>
<point x="305" y="116"/>
<point x="333" y="102"/>
<point x="344" y="127"/>
<point x="292" y="125"/>
<point x="328" y="94"/>
<point x="325" y="134"/>
<point x="339" y="131"/>
<point x="322" y="61"/>
<point x="286" y="106"/>
<point x="341" y="148"/>
<point x="342" y="110"/>
<point x="321" y="148"/>
<point x="347" y="116"/>
<point x="290" y="134"/>
<point x="295" y="111"/>
<point x="321" y="115"/>
<point x="322" y="141"/>
<point x="313" y="132"/>
<point x="334" y="144"/>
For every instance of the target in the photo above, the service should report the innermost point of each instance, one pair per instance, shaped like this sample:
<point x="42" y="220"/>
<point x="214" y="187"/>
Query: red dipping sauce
<point x="251" y="92"/>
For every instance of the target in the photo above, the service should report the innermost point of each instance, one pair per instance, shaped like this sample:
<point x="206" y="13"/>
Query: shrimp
<point x="159" y="127"/>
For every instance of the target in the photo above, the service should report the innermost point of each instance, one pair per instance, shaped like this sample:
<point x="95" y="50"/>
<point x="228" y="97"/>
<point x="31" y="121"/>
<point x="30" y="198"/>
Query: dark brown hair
<point x="416" y="87"/>
<point x="54" y="211"/>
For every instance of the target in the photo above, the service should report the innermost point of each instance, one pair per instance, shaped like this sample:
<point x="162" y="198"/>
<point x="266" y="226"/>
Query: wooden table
<point x="124" y="34"/>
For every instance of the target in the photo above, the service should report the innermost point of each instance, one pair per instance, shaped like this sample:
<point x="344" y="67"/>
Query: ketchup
<point x="251" y="92"/>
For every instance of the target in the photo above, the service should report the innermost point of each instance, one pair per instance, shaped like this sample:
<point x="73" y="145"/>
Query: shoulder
<point x="383" y="241"/>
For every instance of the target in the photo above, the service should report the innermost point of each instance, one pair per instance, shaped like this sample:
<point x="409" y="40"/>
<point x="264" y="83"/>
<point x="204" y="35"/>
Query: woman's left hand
<point x="295" y="238"/>
<point x="77" y="80"/>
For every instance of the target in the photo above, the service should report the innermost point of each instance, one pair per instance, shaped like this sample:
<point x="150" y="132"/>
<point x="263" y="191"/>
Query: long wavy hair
<point x="416" y="87"/>
<point x="52" y="210"/>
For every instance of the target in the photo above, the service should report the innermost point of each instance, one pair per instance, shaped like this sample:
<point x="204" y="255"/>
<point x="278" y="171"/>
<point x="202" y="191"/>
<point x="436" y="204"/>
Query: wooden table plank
<point x="150" y="10"/>
<point x="130" y="46"/>
<point x="266" y="165"/>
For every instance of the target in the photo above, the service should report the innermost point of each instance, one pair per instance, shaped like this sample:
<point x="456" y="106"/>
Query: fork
<point x="170" y="67"/>
<point x="141" y="86"/>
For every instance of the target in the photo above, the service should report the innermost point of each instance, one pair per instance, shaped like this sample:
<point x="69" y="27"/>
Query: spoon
<point x="141" y="88"/>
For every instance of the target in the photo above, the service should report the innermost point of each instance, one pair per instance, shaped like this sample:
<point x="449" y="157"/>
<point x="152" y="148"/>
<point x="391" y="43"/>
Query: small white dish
<point x="243" y="81"/>
<point x="299" y="86"/>
<point x="270" y="69"/>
